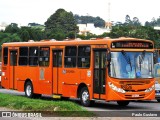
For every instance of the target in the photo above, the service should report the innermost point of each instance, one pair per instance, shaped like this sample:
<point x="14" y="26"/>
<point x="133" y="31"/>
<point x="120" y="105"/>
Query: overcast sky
<point x="28" y="11"/>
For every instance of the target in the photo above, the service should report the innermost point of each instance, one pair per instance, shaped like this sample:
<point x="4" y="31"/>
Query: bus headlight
<point x="115" y="88"/>
<point x="150" y="89"/>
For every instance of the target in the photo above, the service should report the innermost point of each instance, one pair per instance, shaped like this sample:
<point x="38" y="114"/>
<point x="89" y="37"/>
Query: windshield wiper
<point x="128" y="60"/>
<point x="113" y="68"/>
<point x="142" y="58"/>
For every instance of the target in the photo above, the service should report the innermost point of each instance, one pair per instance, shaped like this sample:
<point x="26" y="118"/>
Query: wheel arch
<point x="27" y="80"/>
<point x="82" y="85"/>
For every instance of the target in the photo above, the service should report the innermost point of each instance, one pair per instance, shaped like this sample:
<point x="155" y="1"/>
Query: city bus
<point x="119" y="69"/>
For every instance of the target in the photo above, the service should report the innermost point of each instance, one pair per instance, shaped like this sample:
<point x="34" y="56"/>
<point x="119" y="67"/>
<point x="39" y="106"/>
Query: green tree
<point x="25" y="35"/>
<point x="31" y="33"/>
<point x="12" y="28"/>
<point x="61" y="22"/>
<point x="8" y="37"/>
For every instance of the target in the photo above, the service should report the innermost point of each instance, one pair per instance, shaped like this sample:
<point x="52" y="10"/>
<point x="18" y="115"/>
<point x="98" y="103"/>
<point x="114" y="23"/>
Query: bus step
<point x="56" y="96"/>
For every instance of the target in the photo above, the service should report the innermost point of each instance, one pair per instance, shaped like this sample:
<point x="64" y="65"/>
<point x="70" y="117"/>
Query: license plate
<point x="135" y="95"/>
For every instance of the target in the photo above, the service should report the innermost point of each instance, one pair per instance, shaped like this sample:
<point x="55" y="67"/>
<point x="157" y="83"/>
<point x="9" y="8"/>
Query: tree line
<point x="63" y="24"/>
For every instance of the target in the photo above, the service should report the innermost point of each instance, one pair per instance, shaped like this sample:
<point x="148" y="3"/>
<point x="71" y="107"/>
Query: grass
<point x="52" y="107"/>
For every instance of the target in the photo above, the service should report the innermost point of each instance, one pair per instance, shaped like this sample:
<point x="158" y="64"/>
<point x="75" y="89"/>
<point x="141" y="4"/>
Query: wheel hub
<point x="28" y="90"/>
<point x="85" y="96"/>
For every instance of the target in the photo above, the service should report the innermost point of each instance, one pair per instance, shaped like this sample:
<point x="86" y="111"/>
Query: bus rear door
<point x="12" y="70"/>
<point x="57" y="68"/>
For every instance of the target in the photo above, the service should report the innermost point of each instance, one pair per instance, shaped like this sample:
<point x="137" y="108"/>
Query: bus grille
<point x="134" y="82"/>
<point x="141" y="90"/>
<point x="130" y="96"/>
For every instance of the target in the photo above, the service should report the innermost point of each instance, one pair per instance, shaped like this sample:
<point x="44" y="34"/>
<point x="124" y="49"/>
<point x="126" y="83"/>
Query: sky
<point x="38" y="11"/>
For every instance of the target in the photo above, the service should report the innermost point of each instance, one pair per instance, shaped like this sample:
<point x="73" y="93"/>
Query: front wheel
<point x="123" y="103"/>
<point x="84" y="97"/>
<point x="29" y="90"/>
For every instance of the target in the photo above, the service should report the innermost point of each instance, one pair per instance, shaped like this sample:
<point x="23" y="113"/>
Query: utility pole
<point x="108" y="24"/>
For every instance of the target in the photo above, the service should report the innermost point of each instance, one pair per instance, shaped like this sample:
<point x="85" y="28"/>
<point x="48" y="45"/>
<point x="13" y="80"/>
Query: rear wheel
<point x="29" y="90"/>
<point x="123" y="103"/>
<point x="85" y="97"/>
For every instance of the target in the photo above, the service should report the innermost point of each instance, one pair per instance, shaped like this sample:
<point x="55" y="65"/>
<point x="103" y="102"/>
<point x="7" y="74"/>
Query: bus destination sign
<point x="132" y="44"/>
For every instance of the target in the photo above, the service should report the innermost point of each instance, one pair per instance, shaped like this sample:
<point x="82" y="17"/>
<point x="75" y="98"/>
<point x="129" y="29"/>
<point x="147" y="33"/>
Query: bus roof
<point x="71" y="42"/>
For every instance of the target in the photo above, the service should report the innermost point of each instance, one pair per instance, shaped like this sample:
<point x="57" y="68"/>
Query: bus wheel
<point x="84" y="97"/>
<point x="123" y="103"/>
<point x="158" y="100"/>
<point x="29" y="90"/>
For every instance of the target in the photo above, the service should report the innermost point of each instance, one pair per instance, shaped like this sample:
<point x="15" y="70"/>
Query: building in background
<point x="90" y="28"/>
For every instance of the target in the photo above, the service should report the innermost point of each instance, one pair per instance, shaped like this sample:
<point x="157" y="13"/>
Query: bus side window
<point x="44" y="56"/>
<point x="23" y="56"/>
<point x="5" y="56"/>
<point x="84" y="56"/>
<point x="33" y="56"/>
<point x="70" y="56"/>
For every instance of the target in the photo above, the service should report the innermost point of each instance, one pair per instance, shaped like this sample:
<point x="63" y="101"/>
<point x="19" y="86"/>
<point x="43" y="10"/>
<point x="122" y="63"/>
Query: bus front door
<point x="12" y="73"/>
<point x="57" y="67"/>
<point x="99" y="78"/>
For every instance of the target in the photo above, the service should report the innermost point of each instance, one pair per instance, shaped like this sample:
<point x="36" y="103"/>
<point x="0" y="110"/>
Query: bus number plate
<point x="135" y="95"/>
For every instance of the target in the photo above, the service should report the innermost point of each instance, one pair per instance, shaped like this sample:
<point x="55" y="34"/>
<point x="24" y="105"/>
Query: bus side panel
<point x="5" y="77"/>
<point x="33" y="76"/>
<point x="22" y="74"/>
<point x="72" y="78"/>
<point x="69" y="90"/>
<point x="68" y="82"/>
<point x="27" y="73"/>
<point x="20" y="85"/>
<point x="44" y="80"/>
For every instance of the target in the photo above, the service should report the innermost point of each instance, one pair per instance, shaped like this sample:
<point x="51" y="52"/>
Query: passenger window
<point x="44" y="56"/>
<point x="23" y="56"/>
<point x="84" y="56"/>
<point x="57" y="58"/>
<point x="5" y="56"/>
<point x="70" y="56"/>
<point x="33" y="56"/>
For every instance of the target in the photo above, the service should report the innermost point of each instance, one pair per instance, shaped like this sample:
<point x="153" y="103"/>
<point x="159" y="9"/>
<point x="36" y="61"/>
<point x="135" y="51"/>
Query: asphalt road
<point x="141" y="109"/>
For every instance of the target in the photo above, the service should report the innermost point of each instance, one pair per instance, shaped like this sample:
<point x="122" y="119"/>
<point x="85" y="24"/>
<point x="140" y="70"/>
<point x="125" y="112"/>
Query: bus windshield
<point x="131" y="64"/>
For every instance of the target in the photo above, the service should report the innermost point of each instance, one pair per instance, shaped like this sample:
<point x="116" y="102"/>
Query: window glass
<point x="33" y="56"/>
<point x="23" y="56"/>
<point x="84" y="56"/>
<point x="57" y="58"/>
<point x="44" y="56"/>
<point x="131" y="65"/>
<point x="13" y="58"/>
<point x="5" y="55"/>
<point x="70" y="56"/>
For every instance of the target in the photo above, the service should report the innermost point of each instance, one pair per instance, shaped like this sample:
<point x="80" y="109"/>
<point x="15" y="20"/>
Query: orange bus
<point x="106" y="69"/>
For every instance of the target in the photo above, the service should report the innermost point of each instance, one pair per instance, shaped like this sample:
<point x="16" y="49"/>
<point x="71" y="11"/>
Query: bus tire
<point x="123" y="103"/>
<point x="29" y="90"/>
<point x="85" y="97"/>
<point x="158" y="100"/>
